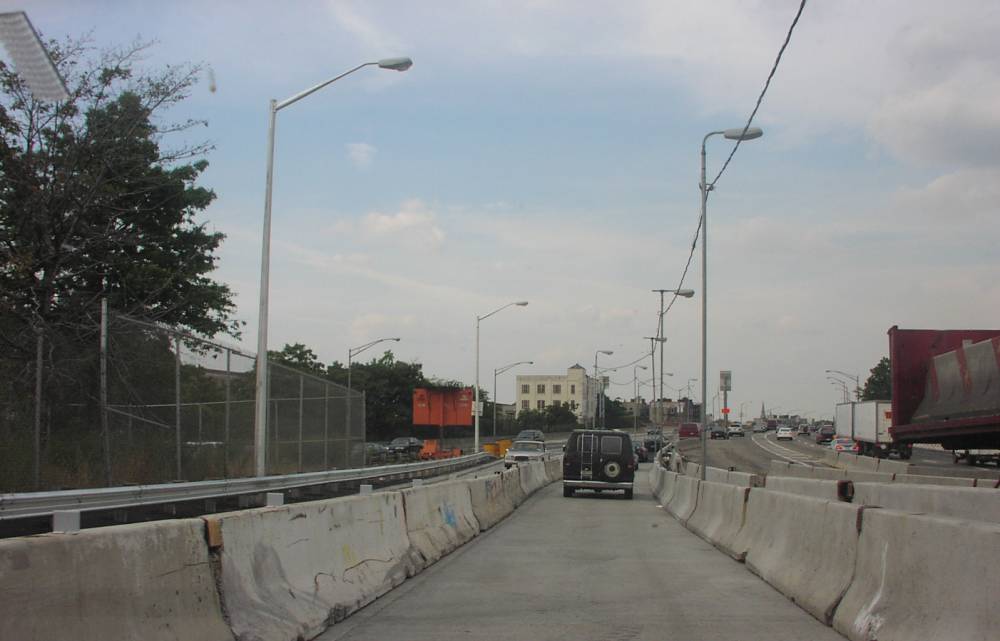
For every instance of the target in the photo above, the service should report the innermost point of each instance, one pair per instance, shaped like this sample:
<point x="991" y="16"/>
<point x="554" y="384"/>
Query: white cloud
<point x="413" y="225"/>
<point x="361" y="154"/>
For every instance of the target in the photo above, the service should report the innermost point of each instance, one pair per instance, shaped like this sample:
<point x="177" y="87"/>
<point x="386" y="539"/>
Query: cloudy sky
<point x="548" y="151"/>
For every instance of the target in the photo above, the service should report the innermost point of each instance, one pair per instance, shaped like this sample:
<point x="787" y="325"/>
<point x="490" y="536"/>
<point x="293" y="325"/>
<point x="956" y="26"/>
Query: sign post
<point x="725" y="386"/>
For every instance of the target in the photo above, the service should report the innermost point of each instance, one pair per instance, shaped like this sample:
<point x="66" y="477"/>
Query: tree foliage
<point x="878" y="387"/>
<point x="94" y="203"/>
<point x="388" y="385"/>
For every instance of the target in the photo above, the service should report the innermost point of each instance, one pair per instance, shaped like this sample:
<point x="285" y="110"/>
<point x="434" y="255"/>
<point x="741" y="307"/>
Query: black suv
<point x="405" y="446"/>
<point x="599" y="460"/>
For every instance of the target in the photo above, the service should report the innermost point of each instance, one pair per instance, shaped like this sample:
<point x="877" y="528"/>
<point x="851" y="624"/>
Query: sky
<point x="548" y="151"/>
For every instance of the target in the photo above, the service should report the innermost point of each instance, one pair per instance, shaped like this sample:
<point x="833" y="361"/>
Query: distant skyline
<point x="548" y="151"/>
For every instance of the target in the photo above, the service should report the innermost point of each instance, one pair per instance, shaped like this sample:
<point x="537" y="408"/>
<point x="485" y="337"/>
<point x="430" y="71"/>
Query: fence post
<point x="39" y="358"/>
<point x="326" y="426"/>
<point x="364" y="426"/>
<point x="177" y="404"/>
<point x="225" y="445"/>
<point x="302" y="385"/>
<point x="105" y="429"/>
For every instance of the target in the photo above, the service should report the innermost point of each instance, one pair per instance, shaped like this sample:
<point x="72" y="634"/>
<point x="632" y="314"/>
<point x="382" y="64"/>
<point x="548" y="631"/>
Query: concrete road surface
<point x="590" y="568"/>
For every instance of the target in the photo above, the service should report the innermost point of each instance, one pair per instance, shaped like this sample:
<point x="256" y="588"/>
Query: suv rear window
<point x="611" y="445"/>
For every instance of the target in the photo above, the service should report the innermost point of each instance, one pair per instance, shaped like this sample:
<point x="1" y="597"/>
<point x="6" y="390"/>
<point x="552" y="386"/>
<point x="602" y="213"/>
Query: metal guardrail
<point x="40" y="504"/>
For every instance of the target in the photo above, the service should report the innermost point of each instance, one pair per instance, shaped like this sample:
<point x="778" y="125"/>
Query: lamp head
<point x="737" y="134"/>
<point x="686" y="293"/>
<point x="521" y="303"/>
<point x="607" y="352"/>
<point x="396" y="64"/>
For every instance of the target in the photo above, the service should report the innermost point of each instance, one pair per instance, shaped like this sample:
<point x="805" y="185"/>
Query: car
<point x="530" y="435"/>
<point x="688" y="430"/>
<point x="523" y="451"/>
<point x="405" y="446"/>
<point x="375" y="453"/>
<point x="599" y="460"/>
<point x="844" y="444"/>
<point x="784" y="434"/>
<point x="803" y="428"/>
<point x="760" y="428"/>
<point x="735" y="430"/>
<point x="825" y="434"/>
<point x="718" y="431"/>
<point x="641" y="453"/>
<point x="653" y="442"/>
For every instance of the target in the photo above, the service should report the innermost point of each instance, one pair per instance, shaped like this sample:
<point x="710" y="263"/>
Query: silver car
<point x="523" y="451"/>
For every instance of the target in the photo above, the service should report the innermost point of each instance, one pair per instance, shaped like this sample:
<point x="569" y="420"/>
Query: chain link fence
<point x="129" y="402"/>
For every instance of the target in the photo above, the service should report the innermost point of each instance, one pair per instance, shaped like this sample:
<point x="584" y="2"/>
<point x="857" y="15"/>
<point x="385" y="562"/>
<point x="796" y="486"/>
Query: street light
<point x="687" y="405"/>
<point x="741" y="409"/>
<point x="475" y="409"/>
<point x="496" y="372"/>
<point x="841" y="384"/>
<point x="747" y="133"/>
<point x="351" y="353"/>
<point x="597" y="399"/>
<point x="652" y="361"/>
<point x="635" y="398"/>
<point x="686" y="293"/>
<point x="260" y="417"/>
<point x="854" y="377"/>
<point x="601" y="405"/>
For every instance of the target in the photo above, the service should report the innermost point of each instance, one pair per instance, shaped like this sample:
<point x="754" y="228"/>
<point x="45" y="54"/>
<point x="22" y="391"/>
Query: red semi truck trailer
<point x="946" y="390"/>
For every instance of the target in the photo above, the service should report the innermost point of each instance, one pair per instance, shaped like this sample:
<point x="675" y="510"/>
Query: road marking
<point x="783" y="452"/>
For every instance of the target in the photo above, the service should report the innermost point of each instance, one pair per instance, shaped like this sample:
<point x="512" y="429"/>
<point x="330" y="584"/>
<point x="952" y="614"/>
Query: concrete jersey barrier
<point x="491" y="502"/>
<point x="922" y="577"/>
<point x="554" y="469"/>
<point x="719" y="514"/>
<point x="973" y="503"/>
<point x="144" y="581"/>
<point x="512" y="486"/>
<point x="668" y="487"/>
<point x="744" y="479"/>
<point x="290" y="572"/>
<point x="803" y="546"/>
<point x="684" y="500"/>
<point x="439" y="518"/>
<point x="816" y="488"/>
<point x="657" y="476"/>
<point x="919" y="479"/>
<point x="692" y="469"/>
<point x="532" y="476"/>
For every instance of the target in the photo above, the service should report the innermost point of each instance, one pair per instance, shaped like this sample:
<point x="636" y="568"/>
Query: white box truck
<point x="868" y="423"/>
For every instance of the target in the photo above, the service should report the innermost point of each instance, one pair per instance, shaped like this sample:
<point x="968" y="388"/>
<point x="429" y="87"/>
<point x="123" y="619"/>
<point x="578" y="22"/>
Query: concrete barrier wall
<point x="145" y="581"/>
<point x="803" y="546"/>
<point x="922" y="577"/>
<point x="744" y="479"/>
<point x="669" y="487"/>
<point x="512" y="486"/>
<point x="779" y="467"/>
<point x="684" y="499"/>
<point x="973" y="503"/>
<point x="439" y="518"/>
<point x="816" y="488"/>
<point x="657" y="476"/>
<point x="290" y="572"/>
<point x="716" y="474"/>
<point x="692" y="469"/>
<point x="719" y="514"/>
<point x="490" y="501"/>
<point x="893" y="467"/>
<point x="532" y="476"/>
<point x="554" y="469"/>
<point x="825" y="473"/>
<point x="920" y="479"/>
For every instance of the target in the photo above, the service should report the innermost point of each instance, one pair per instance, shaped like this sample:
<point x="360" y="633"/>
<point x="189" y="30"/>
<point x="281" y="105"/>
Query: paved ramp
<point x="588" y="569"/>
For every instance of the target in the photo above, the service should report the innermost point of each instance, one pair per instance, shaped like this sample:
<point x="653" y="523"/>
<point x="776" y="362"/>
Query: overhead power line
<point x="760" y="99"/>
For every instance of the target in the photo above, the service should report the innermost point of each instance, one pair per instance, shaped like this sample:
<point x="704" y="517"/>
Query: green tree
<point x="299" y="357"/>
<point x="615" y="415"/>
<point x="559" y="418"/>
<point x="878" y="387"/>
<point x="388" y="385"/>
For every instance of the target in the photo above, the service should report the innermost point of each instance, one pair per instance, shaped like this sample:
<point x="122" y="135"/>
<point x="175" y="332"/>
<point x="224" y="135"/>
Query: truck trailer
<point x="868" y="423"/>
<point x="946" y="390"/>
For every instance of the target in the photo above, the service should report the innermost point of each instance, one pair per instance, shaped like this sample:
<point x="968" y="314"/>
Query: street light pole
<point x="854" y="377"/>
<point x="635" y="398"/>
<point x="261" y="386"/>
<point x="351" y="353"/>
<point x="597" y="399"/>
<point x="475" y="408"/>
<point x="686" y="293"/>
<point x="746" y="133"/>
<point x="496" y="372"/>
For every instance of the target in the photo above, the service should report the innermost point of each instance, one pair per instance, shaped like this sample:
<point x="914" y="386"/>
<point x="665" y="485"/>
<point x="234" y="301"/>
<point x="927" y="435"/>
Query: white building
<point x="575" y="390"/>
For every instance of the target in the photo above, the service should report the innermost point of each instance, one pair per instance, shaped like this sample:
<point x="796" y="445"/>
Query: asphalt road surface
<point x="587" y="568"/>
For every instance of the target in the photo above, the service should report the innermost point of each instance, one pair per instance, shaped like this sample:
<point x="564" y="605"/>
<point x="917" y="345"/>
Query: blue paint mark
<point x="449" y="515"/>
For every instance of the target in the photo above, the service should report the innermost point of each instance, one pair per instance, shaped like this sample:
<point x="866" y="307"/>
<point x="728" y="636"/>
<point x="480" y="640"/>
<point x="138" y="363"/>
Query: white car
<point x="735" y="429"/>
<point x="785" y="433"/>
<point x="523" y="451"/>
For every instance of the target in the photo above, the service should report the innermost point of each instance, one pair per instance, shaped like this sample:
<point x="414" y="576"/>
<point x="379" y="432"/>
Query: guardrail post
<point x="365" y="489"/>
<point x="177" y="404"/>
<point x="66" y="521"/>
<point x="302" y="393"/>
<point x="418" y="482"/>
<point x="275" y="499"/>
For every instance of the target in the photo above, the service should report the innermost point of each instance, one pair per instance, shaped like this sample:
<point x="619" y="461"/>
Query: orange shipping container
<point x="442" y="407"/>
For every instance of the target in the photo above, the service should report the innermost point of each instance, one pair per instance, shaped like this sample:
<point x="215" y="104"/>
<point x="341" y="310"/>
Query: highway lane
<point x="589" y="569"/>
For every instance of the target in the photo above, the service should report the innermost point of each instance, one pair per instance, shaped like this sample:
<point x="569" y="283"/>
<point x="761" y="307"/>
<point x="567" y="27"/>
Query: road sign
<point x="726" y="381"/>
<point x="725" y="410"/>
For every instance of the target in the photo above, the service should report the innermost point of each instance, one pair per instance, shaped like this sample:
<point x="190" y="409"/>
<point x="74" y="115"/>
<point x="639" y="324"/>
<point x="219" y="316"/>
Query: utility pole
<point x="659" y="335"/>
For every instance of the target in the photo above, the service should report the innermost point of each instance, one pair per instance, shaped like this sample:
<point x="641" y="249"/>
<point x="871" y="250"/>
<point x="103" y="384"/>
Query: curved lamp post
<point x="497" y="372"/>
<point x="260" y="406"/>
<point x="475" y="409"/>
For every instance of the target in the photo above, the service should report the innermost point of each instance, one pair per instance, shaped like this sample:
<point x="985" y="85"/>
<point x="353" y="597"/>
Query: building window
<point x="525" y="389"/>
<point x="541" y="405"/>
<point x="556" y="403"/>
<point x="572" y="389"/>
<point x="541" y="388"/>
<point x="525" y="405"/>
<point x="557" y="389"/>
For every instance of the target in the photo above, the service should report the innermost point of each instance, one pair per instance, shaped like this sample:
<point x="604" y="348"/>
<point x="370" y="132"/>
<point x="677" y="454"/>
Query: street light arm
<point x="354" y="351"/>
<point x="500" y="309"/>
<point x="299" y="96"/>
<point x="501" y="370"/>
